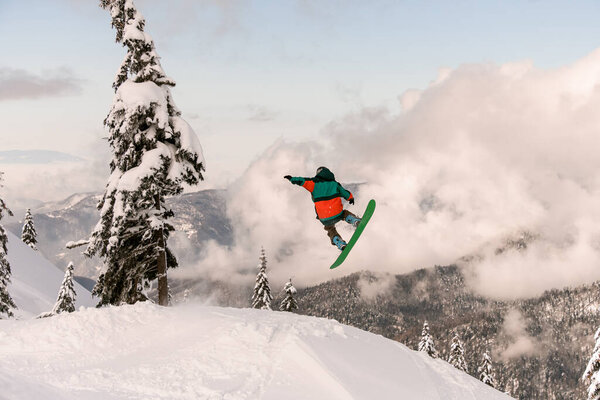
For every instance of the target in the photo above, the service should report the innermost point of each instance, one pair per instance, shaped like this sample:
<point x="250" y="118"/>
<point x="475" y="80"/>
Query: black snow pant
<point x="330" y="228"/>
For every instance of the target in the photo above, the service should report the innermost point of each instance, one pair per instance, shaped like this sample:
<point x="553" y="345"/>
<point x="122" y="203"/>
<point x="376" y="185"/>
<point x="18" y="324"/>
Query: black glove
<point x="288" y="177"/>
<point x="351" y="201"/>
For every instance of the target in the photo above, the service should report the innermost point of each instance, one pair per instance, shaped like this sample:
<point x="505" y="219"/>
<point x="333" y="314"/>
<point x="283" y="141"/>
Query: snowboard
<point x="361" y="227"/>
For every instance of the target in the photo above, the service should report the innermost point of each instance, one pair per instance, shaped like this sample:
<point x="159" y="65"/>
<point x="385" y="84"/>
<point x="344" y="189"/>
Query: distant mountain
<point x="540" y="346"/>
<point x="199" y="217"/>
<point x="52" y="206"/>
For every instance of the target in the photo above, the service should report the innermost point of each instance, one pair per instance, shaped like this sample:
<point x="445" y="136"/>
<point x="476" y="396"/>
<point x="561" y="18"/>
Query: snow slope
<point x="196" y="352"/>
<point x="35" y="281"/>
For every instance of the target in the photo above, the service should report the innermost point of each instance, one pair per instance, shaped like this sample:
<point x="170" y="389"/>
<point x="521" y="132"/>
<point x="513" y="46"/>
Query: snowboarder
<point x="327" y="195"/>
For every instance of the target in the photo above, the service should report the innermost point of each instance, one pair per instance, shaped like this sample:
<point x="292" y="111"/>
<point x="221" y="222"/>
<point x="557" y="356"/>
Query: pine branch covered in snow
<point x="29" y="235"/>
<point x="6" y="302"/>
<point x="486" y="374"/>
<point x="261" y="297"/>
<point x="155" y="152"/>
<point x="592" y="372"/>
<point x="457" y="354"/>
<point x="426" y="344"/>
<point x="289" y="302"/>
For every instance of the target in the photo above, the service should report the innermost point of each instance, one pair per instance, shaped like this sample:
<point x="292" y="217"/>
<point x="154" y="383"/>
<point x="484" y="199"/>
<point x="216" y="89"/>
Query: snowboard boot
<point x="353" y="220"/>
<point x="339" y="242"/>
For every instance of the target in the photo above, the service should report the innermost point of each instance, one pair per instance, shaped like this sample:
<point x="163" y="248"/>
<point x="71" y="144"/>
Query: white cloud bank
<point x="520" y="343"/>
<point x="49" y="176"/>
<point x="371" y="286"/>
<point x="18" y="84"/>
<point x="483" y="153"/>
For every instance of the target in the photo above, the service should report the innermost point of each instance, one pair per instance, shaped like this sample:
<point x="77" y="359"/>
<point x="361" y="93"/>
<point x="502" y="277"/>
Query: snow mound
<point x="35" y="281"/>
<point x="197" y="352"/>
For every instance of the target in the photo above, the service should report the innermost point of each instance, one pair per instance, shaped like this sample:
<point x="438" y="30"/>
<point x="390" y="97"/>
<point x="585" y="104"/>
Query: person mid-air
<point x="327" y="195"/>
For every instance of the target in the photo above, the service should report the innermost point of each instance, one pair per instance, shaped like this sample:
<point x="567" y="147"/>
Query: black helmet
<point x="324" y="174"/>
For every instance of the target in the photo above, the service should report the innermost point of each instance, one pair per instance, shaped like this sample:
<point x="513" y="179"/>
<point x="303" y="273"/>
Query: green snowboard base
<point x="361" y="227"/>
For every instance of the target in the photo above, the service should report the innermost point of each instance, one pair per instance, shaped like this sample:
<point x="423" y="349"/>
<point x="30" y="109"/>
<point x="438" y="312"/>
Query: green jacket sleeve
<point x="297" y="180"/>
<point x="344" y="193"/>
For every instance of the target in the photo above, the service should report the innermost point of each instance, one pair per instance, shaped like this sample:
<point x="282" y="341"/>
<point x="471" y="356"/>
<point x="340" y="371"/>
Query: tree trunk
<point x="161" y="263"/>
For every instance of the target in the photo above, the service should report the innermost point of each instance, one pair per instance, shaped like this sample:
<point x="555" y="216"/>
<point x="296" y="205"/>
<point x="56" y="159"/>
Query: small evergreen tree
<point x="155" y="153"/>
<point x="6" y="302"/>
<point x="426" y="344"/>
<point x="65" y="301"/>
<point x="29" y="235"/>
<point x="289" y="303"/>
<point x="512" y="388"/>
<point x="486" y="374"/>
<point x="592" y="372"/>
<point x="457" y="354"/>
<point x="261" y="298"/>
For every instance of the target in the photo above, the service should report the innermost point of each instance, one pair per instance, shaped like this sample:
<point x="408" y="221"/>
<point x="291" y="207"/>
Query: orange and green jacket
<point x="326" y="194"/>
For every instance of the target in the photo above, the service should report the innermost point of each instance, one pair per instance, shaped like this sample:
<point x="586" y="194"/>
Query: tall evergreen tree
<point x="486" y="374"/>
<point x="6" y="302"/>
<point x="29" y="235"/>
<point x="261" y="298"/>
<point x="592" y="372"/>
<point x="155" y="152"/>
<point x="457" y="354"/>
<point x="426" y="343"/>
<point x="289" y="302"/>
<point x="65" y="301"/>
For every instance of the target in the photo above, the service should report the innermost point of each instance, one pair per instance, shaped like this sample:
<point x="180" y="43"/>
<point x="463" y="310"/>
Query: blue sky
<point x="250" y="72"/>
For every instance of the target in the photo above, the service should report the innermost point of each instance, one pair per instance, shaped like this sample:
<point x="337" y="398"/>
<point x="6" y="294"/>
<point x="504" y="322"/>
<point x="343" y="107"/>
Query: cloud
<point x="219" y="17"/>
<point x="35" y="157"/>
<point x="192" y="115"/>
<point x="482" y="154"/>
<point x="371" y="286"/>
<point x="520" y="343"/>
<point x="25" y="184"/>
<point x="260" y="113"/>
<point x="229" y="11"/>
<point x="18" y="84"/>
<point x="351" y="95"/>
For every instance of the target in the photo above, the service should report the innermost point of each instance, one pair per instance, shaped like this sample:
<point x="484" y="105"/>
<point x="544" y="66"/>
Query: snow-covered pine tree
<point x="457" y="354"/>
<point x="29" y="235"/>
<point x="592" y="372"/>
<point x="261" y="298"/>
<point x="486" y="374"/>
<point x="511" y="388"/>
<point x="155" y="152"/>
<point x="6" y="302"/>
<point x="426" y="344"/>
<point x="65" y="301"/>
<point x="289" y="302"/>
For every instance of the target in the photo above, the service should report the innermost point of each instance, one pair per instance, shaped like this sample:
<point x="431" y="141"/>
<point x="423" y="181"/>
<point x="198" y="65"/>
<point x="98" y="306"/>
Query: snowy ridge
<point x="197" y="352"/>
<point x="64" y="204"/>
<point x="35" y="281"/>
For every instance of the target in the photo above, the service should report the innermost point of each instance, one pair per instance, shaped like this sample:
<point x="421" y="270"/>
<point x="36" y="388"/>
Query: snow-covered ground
<point x="195" y="352"/>
<point x="35" y="281"/>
